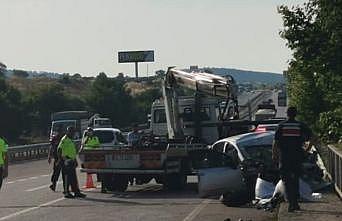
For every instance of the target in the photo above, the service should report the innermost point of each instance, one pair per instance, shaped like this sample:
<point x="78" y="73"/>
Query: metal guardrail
<point x="28" y="152"/>
<point x="31" y="151"/>
<point x="334" y="167"/>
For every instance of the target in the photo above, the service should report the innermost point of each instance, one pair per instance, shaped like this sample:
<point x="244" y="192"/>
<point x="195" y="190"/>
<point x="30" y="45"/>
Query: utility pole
<point x="136" y="70"/>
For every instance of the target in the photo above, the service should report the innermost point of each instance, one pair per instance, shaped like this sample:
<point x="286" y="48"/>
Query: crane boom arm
<point x="205" y="83"/>
<point x="202" y="83"/>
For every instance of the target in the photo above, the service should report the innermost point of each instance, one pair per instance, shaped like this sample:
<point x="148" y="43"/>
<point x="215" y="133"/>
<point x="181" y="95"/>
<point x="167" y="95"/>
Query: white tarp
<point x="265" y="189"/>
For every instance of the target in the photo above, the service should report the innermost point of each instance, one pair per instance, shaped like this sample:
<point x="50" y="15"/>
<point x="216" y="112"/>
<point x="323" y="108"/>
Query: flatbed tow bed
<point x="169" y="166"/>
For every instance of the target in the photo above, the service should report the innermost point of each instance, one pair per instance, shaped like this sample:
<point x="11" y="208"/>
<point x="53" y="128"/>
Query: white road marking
<point x="27" y="178"/>
<point x="197" y="210"/>
<point x="33" y="178"/>
<point x="45" y="175"/>
<point x="40" y="187"/>
<point x="30" y="209"/>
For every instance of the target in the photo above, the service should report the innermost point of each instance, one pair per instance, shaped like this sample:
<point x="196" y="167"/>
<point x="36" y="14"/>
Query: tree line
<point x="314" y="34"/>
<point x="24" y="115"/>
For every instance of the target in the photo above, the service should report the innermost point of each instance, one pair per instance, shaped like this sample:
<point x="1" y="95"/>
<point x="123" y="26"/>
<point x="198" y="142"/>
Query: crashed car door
<point x="219" y="177"/>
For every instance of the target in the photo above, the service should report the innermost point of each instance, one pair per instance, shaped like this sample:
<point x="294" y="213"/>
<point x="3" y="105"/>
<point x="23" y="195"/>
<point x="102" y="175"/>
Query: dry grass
<point x="76" y="87"/>
<point x="137" y="88"/>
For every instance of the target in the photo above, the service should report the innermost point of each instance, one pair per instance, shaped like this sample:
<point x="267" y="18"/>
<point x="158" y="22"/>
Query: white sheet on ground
<point x="265" y="189"/>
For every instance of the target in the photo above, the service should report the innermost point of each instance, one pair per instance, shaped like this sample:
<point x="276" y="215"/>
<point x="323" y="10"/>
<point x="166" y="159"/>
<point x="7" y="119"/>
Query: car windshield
<point x="260" y="153"/>
<point x="104" y="136"/>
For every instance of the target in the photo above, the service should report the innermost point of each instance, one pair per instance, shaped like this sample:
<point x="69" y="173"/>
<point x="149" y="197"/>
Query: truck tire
<point x="120" y="183"/>
<point x="107" y="180"/>
<point x="159" y="179"/>
<point x="114" y="182"/>
<point x="174" y="181"/>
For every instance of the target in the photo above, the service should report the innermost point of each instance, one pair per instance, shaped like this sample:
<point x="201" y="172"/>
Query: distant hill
<point x="243" y="76"/>
<point x="34" y="74"/>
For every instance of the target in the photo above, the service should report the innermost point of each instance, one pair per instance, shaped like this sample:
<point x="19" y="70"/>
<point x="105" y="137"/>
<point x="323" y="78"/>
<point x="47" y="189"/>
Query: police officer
<point x="57" y="164"/>
<point x="3" y="160"/>
<point x="288" y="152"/>
<point x="67" y="154"/>
<point x="133" y="137"/>
<point x="91" y="141"/>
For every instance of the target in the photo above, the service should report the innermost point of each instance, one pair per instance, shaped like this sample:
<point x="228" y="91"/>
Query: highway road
<point x="25" y="196"/>
<point x="281" y="111"/>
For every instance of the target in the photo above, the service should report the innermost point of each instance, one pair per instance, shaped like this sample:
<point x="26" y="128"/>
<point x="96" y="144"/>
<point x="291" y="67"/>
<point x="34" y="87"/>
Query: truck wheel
<point x="159" y="180"/>
<point x="175" y="181"/>
<point x="114" y="182"/>
<point x="107" y="180"/>
<point x="120" y="183"/>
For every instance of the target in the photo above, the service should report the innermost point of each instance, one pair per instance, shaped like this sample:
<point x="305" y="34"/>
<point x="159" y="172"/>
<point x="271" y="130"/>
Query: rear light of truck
<point x="260" y="129"/>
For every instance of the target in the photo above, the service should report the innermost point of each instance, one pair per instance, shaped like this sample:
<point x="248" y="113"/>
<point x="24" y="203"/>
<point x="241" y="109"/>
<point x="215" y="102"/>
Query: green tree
<point x="160" y="73"/>
<point x="143" y="103"/>
<point x="107" y="96"/>
<point x="45" y="100"/>
<point x="20" y="73"/>
<point x="314" y="33"/>
<point x="11" y="111"/>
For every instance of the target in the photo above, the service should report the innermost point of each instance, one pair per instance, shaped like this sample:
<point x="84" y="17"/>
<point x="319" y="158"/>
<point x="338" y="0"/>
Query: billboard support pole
<point x="136" y="69"/>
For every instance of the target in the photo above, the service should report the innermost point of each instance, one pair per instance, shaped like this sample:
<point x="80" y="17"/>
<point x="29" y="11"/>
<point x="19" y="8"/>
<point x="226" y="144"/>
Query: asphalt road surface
<point x="25" y="196"/>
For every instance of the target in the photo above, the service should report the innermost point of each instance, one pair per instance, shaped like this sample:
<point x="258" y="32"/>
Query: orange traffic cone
<point x="89" y="183"/>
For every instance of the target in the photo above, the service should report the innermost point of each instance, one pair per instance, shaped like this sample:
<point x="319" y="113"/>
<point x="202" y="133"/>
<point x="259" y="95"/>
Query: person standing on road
<point x="67" y="154"/>
<point x="133" y="140"/>
<point x="3" y="160"/>
<point x="288" y="152"/>
<point x="91" y="141"/>
<point x="133" y="137"/>
<point x="57" y="164"/>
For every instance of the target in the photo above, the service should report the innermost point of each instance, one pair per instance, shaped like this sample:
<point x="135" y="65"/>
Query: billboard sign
<point x="136" y="56"/>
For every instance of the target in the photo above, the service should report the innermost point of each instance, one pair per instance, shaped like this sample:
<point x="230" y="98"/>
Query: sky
<point x="84" y="36"/>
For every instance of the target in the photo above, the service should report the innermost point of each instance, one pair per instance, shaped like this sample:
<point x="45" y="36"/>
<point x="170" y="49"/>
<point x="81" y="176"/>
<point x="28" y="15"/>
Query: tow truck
<point x="192" y="123"/>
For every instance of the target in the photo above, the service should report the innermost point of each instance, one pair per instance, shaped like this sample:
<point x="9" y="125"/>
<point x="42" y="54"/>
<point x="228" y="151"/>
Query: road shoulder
<point x="329" y="207"/>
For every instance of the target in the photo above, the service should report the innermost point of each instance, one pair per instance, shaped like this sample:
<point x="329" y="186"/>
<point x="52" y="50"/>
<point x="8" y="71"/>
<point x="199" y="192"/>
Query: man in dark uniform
<point x="57" y="164"/>
<point x="288" y="151"/>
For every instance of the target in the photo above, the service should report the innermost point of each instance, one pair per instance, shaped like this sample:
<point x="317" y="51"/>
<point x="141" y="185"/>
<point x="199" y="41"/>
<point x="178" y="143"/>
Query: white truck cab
<point x="209" y="114"/>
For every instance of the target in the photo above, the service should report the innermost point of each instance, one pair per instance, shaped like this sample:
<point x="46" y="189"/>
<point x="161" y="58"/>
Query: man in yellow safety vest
<point x="3" y="160"/>
<point x="67" y="154"/>
<point x="91" y="141"/>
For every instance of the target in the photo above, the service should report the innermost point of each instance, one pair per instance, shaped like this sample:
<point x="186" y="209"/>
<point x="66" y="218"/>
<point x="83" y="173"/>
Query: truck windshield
<point x="104" y="136"/>
<point x="189" y="115"/>
<point x="102" y="122"/>
<point x="63" y="125"/>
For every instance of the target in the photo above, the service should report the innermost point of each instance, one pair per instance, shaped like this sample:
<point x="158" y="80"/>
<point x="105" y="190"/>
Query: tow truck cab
<point x="209" y="115"/>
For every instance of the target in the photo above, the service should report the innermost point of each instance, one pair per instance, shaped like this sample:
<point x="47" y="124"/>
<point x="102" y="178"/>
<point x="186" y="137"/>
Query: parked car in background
<point x="108" y="137"/>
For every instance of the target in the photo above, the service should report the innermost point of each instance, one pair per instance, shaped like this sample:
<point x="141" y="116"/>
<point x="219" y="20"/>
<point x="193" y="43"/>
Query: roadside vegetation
<point x="313" y="32"/>
<point x="27" y="103"/>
